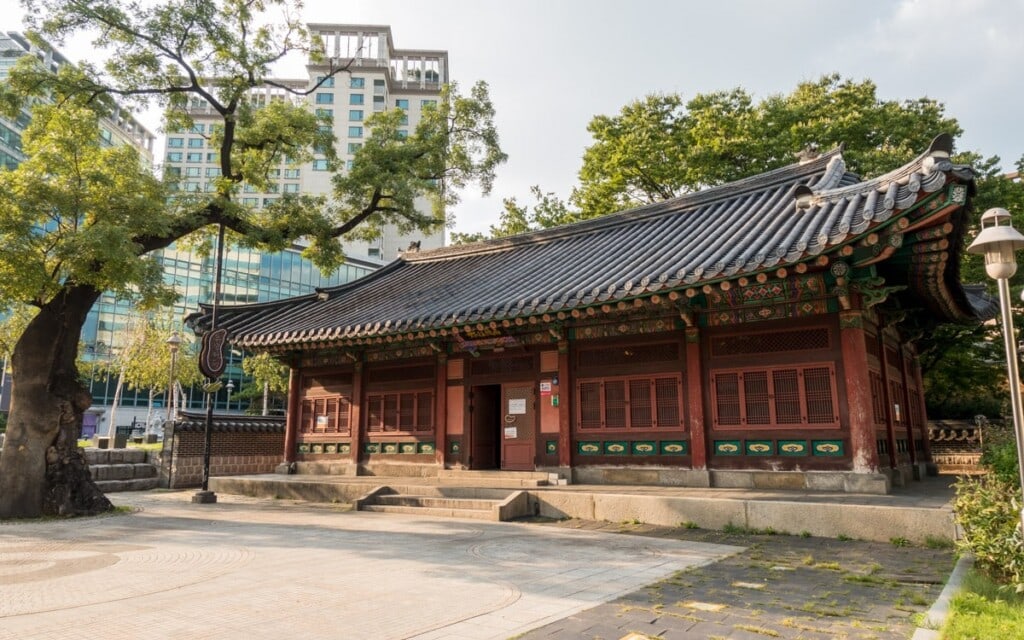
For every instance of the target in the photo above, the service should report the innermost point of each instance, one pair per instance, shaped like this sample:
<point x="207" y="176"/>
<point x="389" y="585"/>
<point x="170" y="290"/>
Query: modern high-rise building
<point x="379" y="78"/>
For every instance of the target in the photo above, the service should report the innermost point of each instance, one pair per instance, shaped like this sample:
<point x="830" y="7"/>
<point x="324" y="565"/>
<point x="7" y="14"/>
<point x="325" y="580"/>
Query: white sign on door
<point x="517" y="406"/>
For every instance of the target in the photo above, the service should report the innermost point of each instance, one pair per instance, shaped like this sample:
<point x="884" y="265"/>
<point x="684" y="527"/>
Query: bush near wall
<point x="988" y="508"/>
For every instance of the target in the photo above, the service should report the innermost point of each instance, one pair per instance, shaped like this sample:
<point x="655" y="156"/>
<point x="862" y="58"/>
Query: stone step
<point x="137" y="484"/>
<point x="500" y="482"/>
<point x="95" y="456"/>
<point x="405" y="500"/>
<point x="493" y="473"/>
<point x="127" y="471"/>
<point x="439" y="512"/>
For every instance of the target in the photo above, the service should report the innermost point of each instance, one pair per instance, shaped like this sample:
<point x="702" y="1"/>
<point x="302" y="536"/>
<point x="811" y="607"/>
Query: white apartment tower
<point x="379" y="77"/>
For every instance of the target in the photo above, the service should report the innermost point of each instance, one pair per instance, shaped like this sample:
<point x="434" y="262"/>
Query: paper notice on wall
<point x="322" y="421"/>
<point x="545" y="388"/>
<point x="517" y="406"/>
<point x="511" y="433"/>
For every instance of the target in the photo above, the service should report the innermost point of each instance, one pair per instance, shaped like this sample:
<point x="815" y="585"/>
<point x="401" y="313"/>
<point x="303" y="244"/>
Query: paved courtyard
<point x="252" y="568"/>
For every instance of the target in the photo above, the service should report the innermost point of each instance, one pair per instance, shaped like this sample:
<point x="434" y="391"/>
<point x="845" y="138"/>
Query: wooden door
<point x="519" y="423"/>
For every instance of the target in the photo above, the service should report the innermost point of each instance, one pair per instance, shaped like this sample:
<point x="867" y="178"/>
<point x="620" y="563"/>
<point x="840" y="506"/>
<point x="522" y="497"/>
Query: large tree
<point x="78" y="219"/>
<point x="662" y="146"/>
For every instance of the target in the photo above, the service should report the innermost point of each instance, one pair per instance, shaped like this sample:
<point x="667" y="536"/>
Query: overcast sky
<point x="554" y="64"/>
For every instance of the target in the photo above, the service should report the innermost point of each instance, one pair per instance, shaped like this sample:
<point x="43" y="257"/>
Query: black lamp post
<point x="211" y="363"/>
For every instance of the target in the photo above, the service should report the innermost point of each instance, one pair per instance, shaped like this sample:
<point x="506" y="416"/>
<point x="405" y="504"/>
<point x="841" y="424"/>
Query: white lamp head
<point x="999" y="242"/>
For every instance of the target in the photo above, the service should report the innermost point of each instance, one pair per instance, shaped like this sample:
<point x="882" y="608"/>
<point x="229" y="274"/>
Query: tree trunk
<point x="42" y="471"/>
<point x="112" y="429"/>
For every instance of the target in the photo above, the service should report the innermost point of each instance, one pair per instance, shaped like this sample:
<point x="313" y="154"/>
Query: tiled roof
<point x="193" y="421"/>
<point x="754" y="225"/>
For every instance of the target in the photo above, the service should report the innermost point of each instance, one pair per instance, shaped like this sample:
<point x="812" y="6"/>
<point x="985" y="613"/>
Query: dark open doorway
<point x="485" y="421"/>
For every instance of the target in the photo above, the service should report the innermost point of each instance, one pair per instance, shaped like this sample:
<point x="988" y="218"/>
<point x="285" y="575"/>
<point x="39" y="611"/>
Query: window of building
<point x="192" y="171"/>
<point x="355" y="115"/>
<point x="269" y="201"/>
<point x="212" y="172"/>
<point x="195" y="143"/>
<point x="349" y="164"/>
<point x="174" y="156"/>
<point x="192" y="187"/>
<point x="402" y="134"/>
<point x="378" y="103"/>
<point x="320" y="164"/>
<point x="213" y="157"/>
<point x="193" y="157"/>
<point x="354" y="146"/>
<point x="402" y="103"/>
<point x="780" y="397"/>
<point x="172" y="171"/>
<point x="325" y="98"/>
<point x="291" y="187"/>
<point x="427" y="103"/>
<point x="355" y="132"/>
<point x="378" y="85"/>
<point x="291" y="173"/>
<point x="355" y="98"/>
<point x="357" y="83"/>
<point x="630" y="402"/>
<point x="175" y="143"/>
<point x="248" y="188"/>
<point x="251" y="202"/>
<point x="400" y="412"/>
<point x="326" y="415"/>
<point x="325" y="82"/>
<point x="197" y="128"/>
<point x="325" y="114"/>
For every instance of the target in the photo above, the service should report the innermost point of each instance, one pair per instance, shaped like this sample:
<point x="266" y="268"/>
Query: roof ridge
<point x="735" y="188"/>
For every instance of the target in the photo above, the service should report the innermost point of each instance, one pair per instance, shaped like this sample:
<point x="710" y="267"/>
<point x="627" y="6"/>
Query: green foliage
<point x="983" y="609"/>
<point x="548" y="211"/>
<point x="660" y="147"/>
<point x="91" y="203"/>
<point x="988" y="509"/>
<point x="999" y="453"/>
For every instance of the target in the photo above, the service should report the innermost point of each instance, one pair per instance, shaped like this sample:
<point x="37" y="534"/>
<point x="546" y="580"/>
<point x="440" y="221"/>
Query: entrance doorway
<point x="485" y="408"/>
<point x="503" y="424"/>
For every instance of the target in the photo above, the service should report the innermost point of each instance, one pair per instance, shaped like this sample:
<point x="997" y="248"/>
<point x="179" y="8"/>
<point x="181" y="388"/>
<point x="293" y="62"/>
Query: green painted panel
<point x="426" y="447"/>
<point x="389" y="447"/>
<point x="645" y="448"/>
<point x="793" y="448"/>
<point x="407" y="447"/>
<point x="303" y="447"/>
<point x="675" y="447"/>
<point x="454" y="447"/>
<point x="616" y="448"/>
<point x="832" y="448"/>
<point x="589" y="448"/>
<point x="551" y="446"/>
<point x="728" y="448"/>
<point x="330" y="448"/>
<point x="344" y="448"/>
<point x="371" y="447"/>
<point x="759" y="447"/>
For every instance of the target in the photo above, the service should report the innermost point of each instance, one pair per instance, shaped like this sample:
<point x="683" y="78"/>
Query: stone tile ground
<point x="782" y="586"/>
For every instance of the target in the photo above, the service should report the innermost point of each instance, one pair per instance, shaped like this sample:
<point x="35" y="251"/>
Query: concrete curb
<point x="936" y="615"/>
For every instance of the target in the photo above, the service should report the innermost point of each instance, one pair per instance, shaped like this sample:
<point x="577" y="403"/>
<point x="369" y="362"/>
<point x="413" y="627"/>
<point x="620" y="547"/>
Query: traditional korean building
<point x="756" y="334"/>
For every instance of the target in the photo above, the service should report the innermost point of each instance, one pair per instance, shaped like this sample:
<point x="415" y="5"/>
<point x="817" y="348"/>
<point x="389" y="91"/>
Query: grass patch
<point x="984" y="610"/>
<point x="934" y="542"/>
<point x="899" y="541"/>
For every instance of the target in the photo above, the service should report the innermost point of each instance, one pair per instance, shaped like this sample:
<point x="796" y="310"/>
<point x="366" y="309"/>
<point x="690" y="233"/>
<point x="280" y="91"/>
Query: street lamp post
<point x="230" y="387"/>
<point x="999" y="242"/>
<point x="173" y="343"/>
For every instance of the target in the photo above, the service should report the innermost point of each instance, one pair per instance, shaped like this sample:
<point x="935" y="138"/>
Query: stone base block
<point x="204" y="497"/>
<point x="661" y="476"/>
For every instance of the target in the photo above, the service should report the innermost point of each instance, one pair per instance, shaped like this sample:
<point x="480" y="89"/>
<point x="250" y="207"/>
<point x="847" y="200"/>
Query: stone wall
<point x="239" y="445"/>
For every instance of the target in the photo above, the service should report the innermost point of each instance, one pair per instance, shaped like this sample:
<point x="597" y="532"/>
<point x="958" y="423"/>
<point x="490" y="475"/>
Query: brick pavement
<point x="778" y="587"/>
<point x="258" y="568"/>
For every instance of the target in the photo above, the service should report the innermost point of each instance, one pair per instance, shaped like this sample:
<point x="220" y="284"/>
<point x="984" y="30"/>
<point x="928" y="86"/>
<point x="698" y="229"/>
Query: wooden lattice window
<point x="896" y="395"/>
<point x="877" y="397"/>
<point x="782" y="397"/>
<point x="405" y="412"/>
<point x="771" y="342"/>
<point x="630" y="402"/>
<point x="327" y="415"/>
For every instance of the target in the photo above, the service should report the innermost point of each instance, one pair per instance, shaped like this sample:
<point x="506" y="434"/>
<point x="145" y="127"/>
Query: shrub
<point x="999" y="454"/>
<point x="988" y="509"/>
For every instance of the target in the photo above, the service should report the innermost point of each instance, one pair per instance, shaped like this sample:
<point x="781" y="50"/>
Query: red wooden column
<point x="858" y="392"/>
<point x="356" y="419"/>
<point x="565" y="391"/>
<point x="441" y="410"/>
<point x="695" y="400"/>
<point x="890" y="402"/>
<point x="294" y="415"/>
<point x="909" y="419"/>
<point x="914" y="371"/>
